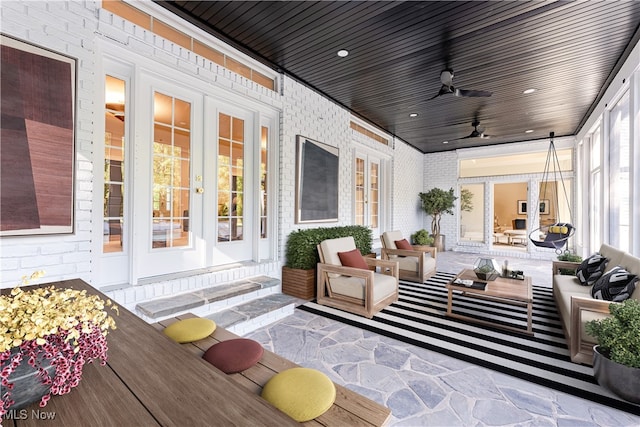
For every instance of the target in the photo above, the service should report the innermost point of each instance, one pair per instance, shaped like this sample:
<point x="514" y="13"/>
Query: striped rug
<point x="418" y="318"/>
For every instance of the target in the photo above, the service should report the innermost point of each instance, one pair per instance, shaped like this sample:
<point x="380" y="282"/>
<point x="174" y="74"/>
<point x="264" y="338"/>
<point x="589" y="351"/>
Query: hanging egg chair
<point x="554" y="236"/>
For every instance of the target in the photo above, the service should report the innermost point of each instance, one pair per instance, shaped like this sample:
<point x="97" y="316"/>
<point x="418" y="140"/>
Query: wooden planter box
<point x="299" y="283"/>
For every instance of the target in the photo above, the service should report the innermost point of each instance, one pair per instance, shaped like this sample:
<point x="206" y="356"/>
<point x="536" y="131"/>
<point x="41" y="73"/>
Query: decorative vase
<point x="27" y="383"/>
<point x="621" y="380"/>
<point x="486" y="269"/>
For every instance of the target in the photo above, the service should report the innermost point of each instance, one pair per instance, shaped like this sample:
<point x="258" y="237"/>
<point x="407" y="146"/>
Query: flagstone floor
<point x="422" y="387"/>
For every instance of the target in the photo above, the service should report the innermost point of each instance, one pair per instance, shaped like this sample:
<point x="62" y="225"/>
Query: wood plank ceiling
<point x="567" y="51"/>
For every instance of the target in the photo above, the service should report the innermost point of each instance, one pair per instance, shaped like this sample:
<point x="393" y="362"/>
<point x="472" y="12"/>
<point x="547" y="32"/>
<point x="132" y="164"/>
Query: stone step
<point x="207" y="300"/>
<point x="247" y="317"/>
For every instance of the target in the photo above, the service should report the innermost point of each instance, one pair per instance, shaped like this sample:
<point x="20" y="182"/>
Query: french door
<point x="169" y="176"/>
<point x="367" y="191"/>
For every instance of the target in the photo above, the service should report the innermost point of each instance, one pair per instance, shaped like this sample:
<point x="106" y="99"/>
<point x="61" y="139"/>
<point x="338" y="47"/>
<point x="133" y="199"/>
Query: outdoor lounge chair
<point x="358" y="290"/>
<point x="416" y="264"/>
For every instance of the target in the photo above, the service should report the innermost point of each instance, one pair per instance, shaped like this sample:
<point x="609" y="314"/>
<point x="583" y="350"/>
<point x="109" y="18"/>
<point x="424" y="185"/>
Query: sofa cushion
<point x="614" y="255"/>
<point x="353" y="258"/>
<point x="591" y="269"/>
<point x="616" y="285"/>
<point x="403" y="244"/>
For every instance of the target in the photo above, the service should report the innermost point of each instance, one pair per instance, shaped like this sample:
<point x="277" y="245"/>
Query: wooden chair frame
<point x="367" y="307"/>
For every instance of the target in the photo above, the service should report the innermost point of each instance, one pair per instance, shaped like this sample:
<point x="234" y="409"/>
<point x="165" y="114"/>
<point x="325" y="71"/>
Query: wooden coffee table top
<point x="500" y="288"/>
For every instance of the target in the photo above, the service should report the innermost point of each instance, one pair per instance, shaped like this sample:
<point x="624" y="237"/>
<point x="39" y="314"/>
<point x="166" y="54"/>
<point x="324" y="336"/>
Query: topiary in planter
<point x="298" y="274"/>
<point x="301" y="250"/>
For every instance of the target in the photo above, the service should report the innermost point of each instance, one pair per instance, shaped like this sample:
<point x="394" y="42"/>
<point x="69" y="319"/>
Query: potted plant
<point x="435" y="203"/>
<point x="569" y="257"/>
<point x="299" y="271"/>
<point x="616" y="358"/>
<point x="421" y="238"/>
<point x="47" y="336"/>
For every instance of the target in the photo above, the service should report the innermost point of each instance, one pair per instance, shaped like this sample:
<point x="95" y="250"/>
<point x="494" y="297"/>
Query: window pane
<point x="230" y="178"/>
<point x="264" y="144"/>
<point x="619" y="154"/>
<point x="114" y="159"/>
<point x="171" y="171"/>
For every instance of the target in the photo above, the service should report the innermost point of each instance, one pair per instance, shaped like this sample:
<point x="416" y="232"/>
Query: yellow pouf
<point x="301" y="393"/>
<point x="190" y="330"/>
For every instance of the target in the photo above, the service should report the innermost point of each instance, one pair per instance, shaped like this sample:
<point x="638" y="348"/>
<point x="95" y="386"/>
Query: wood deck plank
<point x="350" y="408"/>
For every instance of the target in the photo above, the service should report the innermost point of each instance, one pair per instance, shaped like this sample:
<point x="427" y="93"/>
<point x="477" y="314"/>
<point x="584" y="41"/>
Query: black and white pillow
<point x="616" y="285"/>
<point x="591" y="269"/>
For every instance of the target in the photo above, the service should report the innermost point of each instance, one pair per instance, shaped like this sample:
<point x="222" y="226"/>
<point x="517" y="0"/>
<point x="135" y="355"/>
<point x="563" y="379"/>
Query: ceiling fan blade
<point x="444" y="90"/>
<point x="472" y="93"/>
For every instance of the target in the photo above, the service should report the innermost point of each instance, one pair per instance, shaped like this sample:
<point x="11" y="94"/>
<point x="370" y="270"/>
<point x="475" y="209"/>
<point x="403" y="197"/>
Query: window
<point x="171" y="171"/>
<point x="264" y="175"/>
<point x="230" y="177"/>
<point x="114" y="146"/>
<point x="619" y="154"/>
<point x="367" y="189"/>
<point x="595" y="198"/>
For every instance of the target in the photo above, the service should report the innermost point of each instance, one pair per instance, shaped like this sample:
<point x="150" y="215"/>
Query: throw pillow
<point x="616" y="285"/>
<point x="591" y="269"/>
<point x="403" y="244"/>
<point x="353" y="258"/>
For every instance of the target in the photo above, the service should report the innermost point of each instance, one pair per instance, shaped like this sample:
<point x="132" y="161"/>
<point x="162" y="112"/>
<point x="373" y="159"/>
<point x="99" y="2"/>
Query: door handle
<point x="199" y="190"/>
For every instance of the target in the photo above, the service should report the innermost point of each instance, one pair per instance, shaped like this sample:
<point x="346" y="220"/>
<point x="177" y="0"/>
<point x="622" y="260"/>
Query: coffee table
<point x="510" y="291"/>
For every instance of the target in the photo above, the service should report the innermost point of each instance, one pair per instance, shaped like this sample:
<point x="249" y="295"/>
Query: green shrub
<point x="422" y="237"/>
<point x="618" y="335"/>
<point x="301" y="250"/>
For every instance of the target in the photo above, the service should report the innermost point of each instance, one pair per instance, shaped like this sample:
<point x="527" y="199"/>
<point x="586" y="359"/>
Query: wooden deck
<point x="349" y="409"/>
<point x="149" y="381"/>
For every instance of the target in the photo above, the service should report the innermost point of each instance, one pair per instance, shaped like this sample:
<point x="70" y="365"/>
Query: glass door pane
<point x="171" y="171"/>
<point x="359" y="192"/>
<point x="230" y="178"/>
<point x="114" y="145"/>
<point x="472" y="212"/>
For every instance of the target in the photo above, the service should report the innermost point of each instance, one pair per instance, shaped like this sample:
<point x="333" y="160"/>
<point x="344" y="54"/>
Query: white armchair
<point x="416" y="265"/>
<point x="357" y="290"/>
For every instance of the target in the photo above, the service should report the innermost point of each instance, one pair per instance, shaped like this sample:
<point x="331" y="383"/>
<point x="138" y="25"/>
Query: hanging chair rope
<point x="557" y="234"/>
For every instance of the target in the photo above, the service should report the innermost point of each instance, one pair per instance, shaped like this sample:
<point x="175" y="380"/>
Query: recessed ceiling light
<point x="528" y="131"/>
<point x="413" y="115"/>
<point x="342" y="53"/>
<point x="445" y="142"/>
<point x="528" y="91"/>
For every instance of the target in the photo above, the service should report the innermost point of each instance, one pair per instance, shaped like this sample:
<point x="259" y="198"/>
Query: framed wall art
<point x="522" y="207"/>
<point x="544" y="207"/>
<point x="36" y="140"/>
<point x="317" y="167"/>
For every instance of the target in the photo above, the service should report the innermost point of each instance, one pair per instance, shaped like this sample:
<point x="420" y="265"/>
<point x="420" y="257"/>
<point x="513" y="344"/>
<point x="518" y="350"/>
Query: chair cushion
<point x="591" y="269"/>
<point x="234" y="355"/>
<point x="383" y="286"/>
<point x="301" y="393"/>
<point x="353" y="258"/>
<point x="190" y="330"/>
<point x="403" y="244"/>
<point x="390" y="237"/>
<point x="616" y="285"/>
<point x="331" y="247"/>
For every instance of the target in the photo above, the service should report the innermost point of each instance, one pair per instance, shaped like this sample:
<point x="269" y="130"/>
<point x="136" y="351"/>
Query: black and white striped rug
<point x="418" y="318"/>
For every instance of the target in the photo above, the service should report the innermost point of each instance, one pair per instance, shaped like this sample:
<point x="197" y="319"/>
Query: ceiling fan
<point x="446" y="77"/>
<point x="478" y="131"/>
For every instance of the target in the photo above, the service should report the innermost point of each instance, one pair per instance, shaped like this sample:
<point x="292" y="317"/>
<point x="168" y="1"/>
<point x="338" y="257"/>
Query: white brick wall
<point x="76" y="28"/>
<point x="408" y="168"/>
<point x="441" y="171"/>
<point x="66" y="28"/>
